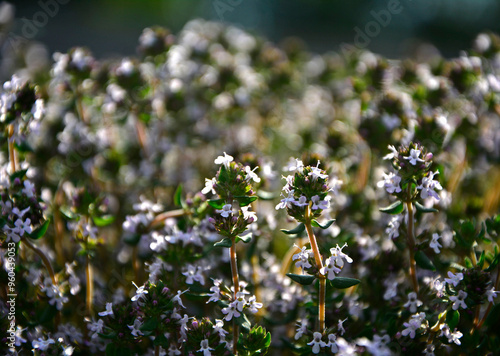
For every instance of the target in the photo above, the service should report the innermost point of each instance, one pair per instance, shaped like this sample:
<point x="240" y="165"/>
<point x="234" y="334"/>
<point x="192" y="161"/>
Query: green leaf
<point x="149" y="325"/>
<point x="23" y="146"/>
<point x="244" y="201"/>
<point x="300" y="228"/>
<point x="452" y="319"/>
<point x="40" y="231"/>
<point x="303" y="279"/>
<point x="480" y="263"/>
<point x="344" y="282"/>
<point x="244" y="323"/>
<point x="423" y="261"/>
<point x="264" y="195"/>
<point x="178" y="196"/>
<point x="66" y="211"/>
<point x="246" y="238"/>
<point x="423" y="209"/>
<point x="468" y="262"/>
<point x="217" y="203"/>
<point x="393" y="209"/>
<point x="493" y="264"/>
<point x="324" y="226"/>
<point x="226" y="242"/>
<point x="104" y="220"/>
<point x="18" y="174"/>
<point x="110" y="336"/>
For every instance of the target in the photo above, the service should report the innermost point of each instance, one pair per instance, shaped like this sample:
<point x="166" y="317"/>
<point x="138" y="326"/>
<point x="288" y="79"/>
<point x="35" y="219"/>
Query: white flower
<point x="225" y="160"/>
<point x="42" y="344"/>
<point x="209" y="186"/>
<point x="394" y="152"/>
<point x="301" y="329"/>
<point x="317" y="173"/>
<point x="455" y="337"/>
<point x="413" y="325"/>
<point x="247" y="214"/>
<point x="390" y="182"/>
<point x="434" y="244"/>
<point x="219" y="328"/>
<point x="136" y="328"/>
<point x="177" y="299"/>
<point x="231" y="311"/>
<point x="454" y="278"/>
<point x="340" y="256"/>
<point x="317" y="343"/>
<point x="413" y="303"/>
<point x="294" y="164"/>
<point x="205" y="348"/>
<point x="392" y="289"/>
<point x="428" y="186"/>
<point x="393" y="226"/>
<point x="29" y="189"/>
<point x="302" y="257"/>
<point x="459" y="300"/>
<point x="491" y="294"/>
<point x="215" y="296"/>
<point x="251" y="175"/>
<point x="302" y="201"/>
<point x="140" y="292"/>
<point x="413" y="157"/>
<point x="108" y="311"/>
<point x="330" y="269"/>
<point x="340" y="326"/>
<point x="287" y="201"/>
<point x="253" y="305"/>
<point x="227" y="210"/>
<point x="194" y="273"/>
<point x="332" y="344"/>
<point x="320" y="204"/>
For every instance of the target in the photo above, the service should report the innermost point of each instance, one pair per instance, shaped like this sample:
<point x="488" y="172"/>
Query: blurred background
<point x="112" y="27"/>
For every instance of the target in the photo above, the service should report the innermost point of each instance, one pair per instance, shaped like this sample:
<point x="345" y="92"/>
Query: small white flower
<point x="205" y="348"/>
<point x="491" y="294"/>
<point x="332" y="343"/>
<point x="251" y="175"/>
<point x="29" y="189"/>
<point x="253" y="305"/>
<point x="317" y="343"/>
<point x="294" y="164"/>
<point x="434" y="244"/>
<point x="454" y="278"/>
<point x="414" y="157"/>
<point x="317" y="173"/>
<point x="429" y="185"/>
<point x="227" y="210"/>
<point x="225" y="160"/>
<point x="231" y="311"/>
<point x="391" y="183"/>
<point x="177" y="299"/>
<point x="413" y="325"/>
<point x="215" y="289"/>
<point x="340" y="326"/>
<point x="330" y="269"/>
<point x="136" y="328"/>
<point x="394" y="152"/>
<point x="340" y="256"/>
<point x="286" y="201"/>
<point x="320" y="204"/>
<point x="413" y="303"/>
<point x="302" y="258"/>
<point x="140" y="292"/>
<point x="301" y="329"/>
<point x="209" y="186"/>
<point x="42" y="344"/>
<point x="302" y="201"/>
<point x="108" y="311"/>
<point x="459" y="300"/>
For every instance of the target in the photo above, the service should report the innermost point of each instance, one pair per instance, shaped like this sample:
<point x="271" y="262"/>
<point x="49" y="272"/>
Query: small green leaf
<point x="104" y="220"/>
<point x="300" y="228"/>
<point x="423" y="209"/>
<point x="246" y="238"/>
<point x="224" y="243"/>
<point x="66" y="211"/>
<point x="110" y="336"/>
<point x="18" y="174"/>
<point x="149" y="325"/>
<point x="303" y="279"/>
<point x="324" y="226"/>
<point x="452" y="319"/>
<point x="393" y="209"/>
<point x="344" y="282"/>
<point x="480" y="263"/>
<point x="40" y="231"/>
<point x="423" y="261"/>
<point x="244" y="201"/>
<point x="493" y="264"/>
<point x="468" y="262"/>
<point x="217" y="203"/>
<point x="178" y="196"/>
<point x="264" y="195"/>
<point x="23" y="146"/>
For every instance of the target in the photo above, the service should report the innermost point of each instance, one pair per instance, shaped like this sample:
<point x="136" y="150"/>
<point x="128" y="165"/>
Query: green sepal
<point x="303" y="279"/>
<point x="344" y="282"/>
<point x="300" y="228"/>
<point x="246" y="239"/>
<point x="423" y="209"/>
<point x="40" y="231"/>
<point x="149" y="325"/>
<point x="452" y="318"/>
<point x="423" y="261"/>
<point x="226" y="242"/>
<point x="393" y="209"/>
<point x="244" y="200"/>
<point x="216" y="203"/>
<point x="18" y="174"/>
<point x="325" y="226"/>
<point x="493" y="263"/>
<point x="104" y="220"/>
<point x="480" y="263"/>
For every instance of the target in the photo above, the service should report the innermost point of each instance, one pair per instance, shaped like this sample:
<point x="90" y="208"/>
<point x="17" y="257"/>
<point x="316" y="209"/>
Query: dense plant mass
<point x="218" y="195"/>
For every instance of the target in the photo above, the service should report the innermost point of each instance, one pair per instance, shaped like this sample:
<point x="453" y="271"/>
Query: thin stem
<point x="157" y="350"/>
<point x="90" y="282"/>
<point x="44" y="258"/>
<point x="12" y="151"/>
<point x="236" y="285"/>
<point x="411" y="243"/>
<point x="319" y="263"/>
<point x="166" y="215"/>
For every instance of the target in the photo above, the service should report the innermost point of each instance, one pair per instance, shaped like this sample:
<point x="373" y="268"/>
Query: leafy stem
<point x="411" y="241"/>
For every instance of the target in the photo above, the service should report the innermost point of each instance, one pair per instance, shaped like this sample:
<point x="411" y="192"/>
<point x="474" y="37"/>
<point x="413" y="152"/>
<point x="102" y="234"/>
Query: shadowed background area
<point x="112" y="27"/>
